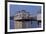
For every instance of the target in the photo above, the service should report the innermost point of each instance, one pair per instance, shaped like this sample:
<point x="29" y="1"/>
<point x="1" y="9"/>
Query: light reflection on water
<point x="33" y="25"/>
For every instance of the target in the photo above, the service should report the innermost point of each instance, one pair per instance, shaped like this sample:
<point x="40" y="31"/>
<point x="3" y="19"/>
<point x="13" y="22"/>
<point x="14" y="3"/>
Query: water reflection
<point x="27" y="24"/>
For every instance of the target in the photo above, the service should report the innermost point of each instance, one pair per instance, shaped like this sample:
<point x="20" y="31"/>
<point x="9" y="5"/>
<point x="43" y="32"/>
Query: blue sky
<point x="15" y="8"/>
<point x="29" y="8"/>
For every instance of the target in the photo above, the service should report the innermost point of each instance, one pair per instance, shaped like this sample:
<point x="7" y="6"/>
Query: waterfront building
<point x="24" y="19"/>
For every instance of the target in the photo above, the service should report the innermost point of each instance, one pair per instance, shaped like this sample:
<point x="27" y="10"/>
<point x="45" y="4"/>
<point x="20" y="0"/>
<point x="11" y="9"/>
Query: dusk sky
<point x="29" y="8"/>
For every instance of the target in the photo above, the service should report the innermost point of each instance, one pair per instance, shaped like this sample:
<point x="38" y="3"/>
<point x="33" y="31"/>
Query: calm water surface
<point x="33" y="25"/>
